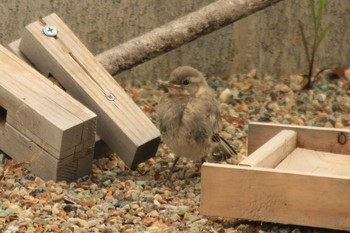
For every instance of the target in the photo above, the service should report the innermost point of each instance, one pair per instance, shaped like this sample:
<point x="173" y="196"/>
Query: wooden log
<point x="121" y="123"/>
<point x="275" y="150"/>
<point x="41" y="124"/>
<point x="178" y="32"/>
<point x="268" y="195"/>
<point x="313" y="138"/>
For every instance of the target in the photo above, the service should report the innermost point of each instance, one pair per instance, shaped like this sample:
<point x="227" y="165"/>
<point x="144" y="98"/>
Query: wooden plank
<point x="101" y="148"/>
<point x="121" y="124"/>
<point x="316" y="162"/>
<point x="41" y="124"/>
<point x="264" y="194"/>
<point x="39" y="161"/>
<point x="40" y="107"/>
<point x="275" y="150"/>
<point x="313" y="138"/>
<point x="14" y="47"/>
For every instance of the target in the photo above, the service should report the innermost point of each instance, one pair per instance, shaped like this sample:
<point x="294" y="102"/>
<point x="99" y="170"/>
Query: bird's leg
<point x="173" y="168"/>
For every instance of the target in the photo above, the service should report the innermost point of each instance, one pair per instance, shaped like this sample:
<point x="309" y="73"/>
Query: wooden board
<point x="47" y="118"/>
<point x="313" y="138"/>
<point x="14" y="47"/>
<point x="316" y="162"/>
<point x="101" y="148"/>
<point x="264" y="194"/>
<point x="275" y="150"/>
<point x="121" y="123"/>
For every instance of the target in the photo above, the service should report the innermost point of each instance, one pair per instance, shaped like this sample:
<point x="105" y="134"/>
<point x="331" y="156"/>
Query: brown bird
<point x="188" y="116"/>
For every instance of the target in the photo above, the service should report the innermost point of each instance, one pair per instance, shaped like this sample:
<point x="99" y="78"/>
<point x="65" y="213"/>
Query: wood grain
<point x="275" y="150"/>
<point x="316" y="162"/>
<point x="313" y="138"/>
<point x="121" y="123"/>
<point x="286" y="197"/>
<point x="41" y="124"/>
<point x="101" y="148"/>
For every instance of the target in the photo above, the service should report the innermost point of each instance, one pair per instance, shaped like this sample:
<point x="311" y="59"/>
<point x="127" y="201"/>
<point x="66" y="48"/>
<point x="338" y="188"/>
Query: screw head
<point x="50" y="31"/>
<point x="342" y="138"/>
<point x="110" y="97"/>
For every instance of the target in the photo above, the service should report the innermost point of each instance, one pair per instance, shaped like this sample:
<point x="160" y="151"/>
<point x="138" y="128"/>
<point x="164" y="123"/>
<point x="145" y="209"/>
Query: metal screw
<point x="342" y="138"/>
<point x="110" y="97"/>
<point x="50" y="31"/>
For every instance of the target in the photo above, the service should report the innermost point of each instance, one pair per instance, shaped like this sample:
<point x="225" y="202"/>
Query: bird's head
<point x="185" y="80"/>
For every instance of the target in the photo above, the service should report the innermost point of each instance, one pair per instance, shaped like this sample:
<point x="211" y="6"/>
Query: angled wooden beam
<point x="41" y="124"/>
<point x="101" y="148"/>
<point x="121" y="123"/>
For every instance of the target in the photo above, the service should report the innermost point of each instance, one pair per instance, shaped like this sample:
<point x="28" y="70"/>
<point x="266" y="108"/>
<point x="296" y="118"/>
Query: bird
<point x="188" y="116"/>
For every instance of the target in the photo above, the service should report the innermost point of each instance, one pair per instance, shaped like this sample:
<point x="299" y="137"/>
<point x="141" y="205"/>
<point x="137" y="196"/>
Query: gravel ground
<point x="115" y="199"/>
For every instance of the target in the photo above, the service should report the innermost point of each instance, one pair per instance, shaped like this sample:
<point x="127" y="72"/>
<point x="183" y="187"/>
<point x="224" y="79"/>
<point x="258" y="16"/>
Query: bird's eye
<point x="185" y="82"/>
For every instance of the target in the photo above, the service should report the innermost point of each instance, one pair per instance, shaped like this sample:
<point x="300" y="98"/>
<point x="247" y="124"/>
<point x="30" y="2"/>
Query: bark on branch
<point x="178" y="32"/>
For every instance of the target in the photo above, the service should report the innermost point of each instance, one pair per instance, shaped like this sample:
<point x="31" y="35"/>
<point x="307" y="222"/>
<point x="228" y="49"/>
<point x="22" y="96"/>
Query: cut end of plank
<point x="145" y="152"/>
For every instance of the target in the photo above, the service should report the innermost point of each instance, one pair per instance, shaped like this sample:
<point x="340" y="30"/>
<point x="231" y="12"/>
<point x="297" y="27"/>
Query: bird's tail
<point x="224" y="144"/>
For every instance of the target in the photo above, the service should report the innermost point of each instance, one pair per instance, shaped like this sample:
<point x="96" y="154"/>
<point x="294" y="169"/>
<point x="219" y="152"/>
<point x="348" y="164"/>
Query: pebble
<point x="297" y="82"/>
<point x="284" y="88"/>
<point x="225" y="95"/>
<point x="116" y="199"/>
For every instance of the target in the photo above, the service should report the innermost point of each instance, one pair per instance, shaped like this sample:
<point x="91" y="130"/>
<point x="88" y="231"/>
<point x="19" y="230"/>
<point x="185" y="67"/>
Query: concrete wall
<point x="269" y="40"/>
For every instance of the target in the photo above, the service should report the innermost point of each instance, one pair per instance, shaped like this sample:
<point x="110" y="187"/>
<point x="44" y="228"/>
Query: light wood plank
<point x="275" y="150"/>
<point x="101" y="148"/>
<point x="41" y="124"/>
<point x="14" y="47"/>
<point x="121" y="124"/>
<point x="37" y="105"/>
<point x="39" y="161"/>
<point x="313" y="138"/>
<point x="264" y="194"/>
<point x="316" y="162"/>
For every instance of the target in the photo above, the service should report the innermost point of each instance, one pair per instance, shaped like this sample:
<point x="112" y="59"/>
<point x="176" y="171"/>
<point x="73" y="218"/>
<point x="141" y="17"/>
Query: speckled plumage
<point x="188" y="116"/>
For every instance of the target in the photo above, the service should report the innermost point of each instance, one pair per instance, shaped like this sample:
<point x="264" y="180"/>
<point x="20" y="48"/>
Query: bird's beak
<point x="166" y="85"/>
<point x="170" y="85"/>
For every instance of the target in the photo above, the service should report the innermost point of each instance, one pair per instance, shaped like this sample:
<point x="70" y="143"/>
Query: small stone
<point x="79" y="222"/>
<point x="284" y="230"/>
<point x="338" y="125"/>
<point x="182" y="210"/>
<point x="274" y="107"/>
<point x="155" y="202"/>
<point x="347" y="74"/>
<point x="321" y="97"/>
<point x="297" y="82"/>
<point x="14" y="209"/>
<point x="252" y="73"/>
<point x="284" y="88"/>
<point x="328" y="125"/>
<point x="225" y="95"/>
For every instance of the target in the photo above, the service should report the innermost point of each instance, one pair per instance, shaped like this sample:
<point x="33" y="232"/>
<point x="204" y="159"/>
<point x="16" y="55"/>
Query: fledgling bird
<point x="188" y="116"/>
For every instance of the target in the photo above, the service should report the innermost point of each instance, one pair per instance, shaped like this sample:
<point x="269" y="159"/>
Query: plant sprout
<point x="318" y="35"/>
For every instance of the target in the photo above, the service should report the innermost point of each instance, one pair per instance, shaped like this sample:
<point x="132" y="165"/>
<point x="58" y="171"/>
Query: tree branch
<point x="178" y="32"/>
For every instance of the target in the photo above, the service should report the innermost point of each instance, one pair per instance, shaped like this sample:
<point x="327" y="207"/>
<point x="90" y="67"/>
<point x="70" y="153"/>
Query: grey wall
<point x="268" y="40"/>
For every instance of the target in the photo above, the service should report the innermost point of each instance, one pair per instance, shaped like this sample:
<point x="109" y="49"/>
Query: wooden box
<point x="293" y="175"/>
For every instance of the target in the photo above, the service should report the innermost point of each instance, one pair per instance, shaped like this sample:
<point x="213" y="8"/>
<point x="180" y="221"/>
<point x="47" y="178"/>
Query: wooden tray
<point x="293" y="175"/>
